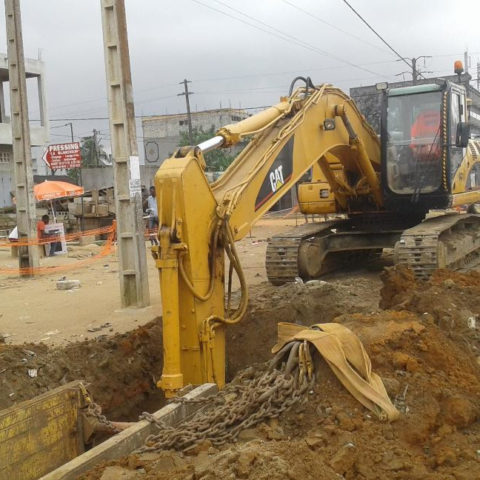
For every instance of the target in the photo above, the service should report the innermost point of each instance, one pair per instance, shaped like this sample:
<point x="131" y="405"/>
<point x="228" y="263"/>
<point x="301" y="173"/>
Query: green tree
<point x="91" y="150"/>
<point x="217" y="160"/>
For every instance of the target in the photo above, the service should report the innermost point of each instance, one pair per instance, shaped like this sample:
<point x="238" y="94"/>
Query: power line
<point x="322" y="52"/>
<point x="379" y="36"/>
<point x="321" y="20"/>
<point x="280" y="34"/>
<point x="210" y="79"/>
<point x="237" y="77"/>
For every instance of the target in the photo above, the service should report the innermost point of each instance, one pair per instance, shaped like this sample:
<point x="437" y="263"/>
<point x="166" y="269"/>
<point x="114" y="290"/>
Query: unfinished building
<point x="35" y="73"/>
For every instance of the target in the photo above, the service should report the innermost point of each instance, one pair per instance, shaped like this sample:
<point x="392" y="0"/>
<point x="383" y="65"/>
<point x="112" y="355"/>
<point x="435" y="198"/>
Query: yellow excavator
<point x="424" y="162"/>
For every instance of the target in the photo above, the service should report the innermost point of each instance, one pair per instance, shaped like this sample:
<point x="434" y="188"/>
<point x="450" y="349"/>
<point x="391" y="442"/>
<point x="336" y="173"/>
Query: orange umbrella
<point x="50" y="190"/>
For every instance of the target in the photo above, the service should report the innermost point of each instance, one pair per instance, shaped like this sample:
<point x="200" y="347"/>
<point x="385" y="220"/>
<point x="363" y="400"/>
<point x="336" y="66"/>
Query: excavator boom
<point x="199" y="222"/>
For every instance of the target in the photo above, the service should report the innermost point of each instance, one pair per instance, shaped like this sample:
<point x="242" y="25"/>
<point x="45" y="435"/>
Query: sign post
<point x="63" y="156"/>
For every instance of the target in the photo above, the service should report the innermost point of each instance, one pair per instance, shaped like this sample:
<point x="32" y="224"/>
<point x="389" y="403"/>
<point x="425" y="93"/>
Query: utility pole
<point x="128" y="198"/>
<point x="71" y="129"/>
<point x="415" y="71"/>
<point x="22" y="155"/>
<point x="189" y="115"/>
<point x="466" y="59"/>
<point x="95" y="150"/>
<point x="80" y="178"/>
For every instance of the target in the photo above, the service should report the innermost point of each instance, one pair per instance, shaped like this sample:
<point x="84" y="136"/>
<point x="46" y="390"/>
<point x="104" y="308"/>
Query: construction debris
<point x="65" y="284"/>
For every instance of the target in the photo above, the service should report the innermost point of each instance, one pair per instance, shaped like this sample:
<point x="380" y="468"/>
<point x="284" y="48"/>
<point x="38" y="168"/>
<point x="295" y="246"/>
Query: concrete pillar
<point x="22" y="158"/>
<point x="128" y="201"/>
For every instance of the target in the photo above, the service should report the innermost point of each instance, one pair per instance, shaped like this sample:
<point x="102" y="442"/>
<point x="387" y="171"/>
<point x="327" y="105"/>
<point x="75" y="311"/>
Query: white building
<point x="34" y="70"/>
<point x="162" y="133"/>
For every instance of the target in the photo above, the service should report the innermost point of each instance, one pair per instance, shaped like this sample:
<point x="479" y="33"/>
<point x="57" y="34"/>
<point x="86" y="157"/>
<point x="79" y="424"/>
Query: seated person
<point x="43" y="236"/>
<point x="425" y="136"/>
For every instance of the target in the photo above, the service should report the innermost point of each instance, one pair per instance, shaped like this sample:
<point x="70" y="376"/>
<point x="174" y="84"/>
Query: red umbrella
<point x="50" y="190"/>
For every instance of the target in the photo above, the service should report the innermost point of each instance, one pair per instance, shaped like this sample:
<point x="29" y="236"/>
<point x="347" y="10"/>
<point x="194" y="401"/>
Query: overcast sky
<point x="243" y="57"/>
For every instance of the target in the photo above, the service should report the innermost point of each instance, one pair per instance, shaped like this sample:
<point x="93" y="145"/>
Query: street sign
<point x="63" y="156"/>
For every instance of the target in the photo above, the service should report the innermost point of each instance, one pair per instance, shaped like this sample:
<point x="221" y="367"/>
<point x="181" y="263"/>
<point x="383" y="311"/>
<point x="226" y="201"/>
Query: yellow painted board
<point x="38" y="435"/>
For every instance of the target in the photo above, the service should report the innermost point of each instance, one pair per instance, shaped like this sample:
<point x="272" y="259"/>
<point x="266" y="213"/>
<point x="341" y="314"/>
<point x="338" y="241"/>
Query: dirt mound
<point x="121" y="370"/>
<point x="434" y="381"/>
<point x="449" y="299"/>
<point x="251" y="340"/>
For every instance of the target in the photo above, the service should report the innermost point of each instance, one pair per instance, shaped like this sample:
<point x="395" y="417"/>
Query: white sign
<point x="134" y="183"/>
<point x="135" y="187"/>
<point x="135" y="168"/>
<point x="57" y="230"/>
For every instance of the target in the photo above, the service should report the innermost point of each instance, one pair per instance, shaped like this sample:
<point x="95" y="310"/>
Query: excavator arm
<point x="199" y="222"/>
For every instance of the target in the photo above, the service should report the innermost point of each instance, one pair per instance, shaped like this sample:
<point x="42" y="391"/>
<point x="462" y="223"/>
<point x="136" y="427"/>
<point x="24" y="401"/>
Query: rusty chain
<point x="254" y="396"/>
<point x="94" y="410"/>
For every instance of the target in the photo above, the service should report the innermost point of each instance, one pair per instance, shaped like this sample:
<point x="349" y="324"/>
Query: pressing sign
<point x="63" y="156"/>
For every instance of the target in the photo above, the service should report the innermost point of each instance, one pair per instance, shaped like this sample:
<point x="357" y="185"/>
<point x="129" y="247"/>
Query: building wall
<point x="34" y="69"/>
<point x="97" y="178"/>
<point x="162" y="133"/>
<point x="6" y="184"/>
<point x="102" y="177"/>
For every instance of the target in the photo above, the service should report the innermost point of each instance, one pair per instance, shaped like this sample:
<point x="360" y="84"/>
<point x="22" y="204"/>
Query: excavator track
<point x="448" y="241"/>
<point x="312" y="250"/>
<point x="283" y="251"/>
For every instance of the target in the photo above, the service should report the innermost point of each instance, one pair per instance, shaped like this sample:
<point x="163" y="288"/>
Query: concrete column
<point x="128" y="201"/>
<point x="22" y="157"/>
<point x="2" y="104"/>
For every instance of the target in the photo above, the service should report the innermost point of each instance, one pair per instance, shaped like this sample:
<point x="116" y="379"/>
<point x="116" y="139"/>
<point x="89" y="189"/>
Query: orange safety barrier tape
<point x="107" y="248"/>
<point x="25" y="242"/>
<point x="294" y="209"/>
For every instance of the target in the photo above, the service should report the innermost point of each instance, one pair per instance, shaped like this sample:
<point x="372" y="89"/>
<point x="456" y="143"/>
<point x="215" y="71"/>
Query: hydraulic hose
<point x="212" y="265"/>
<point x="308" y="84"/>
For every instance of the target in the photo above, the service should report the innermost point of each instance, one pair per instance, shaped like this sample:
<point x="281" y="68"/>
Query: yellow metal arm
<point x="233" y="133"/>
<point x="280" y="154"/>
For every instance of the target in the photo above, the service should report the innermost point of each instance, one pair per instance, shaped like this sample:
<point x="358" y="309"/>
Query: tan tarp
<point x="346" y="356"/>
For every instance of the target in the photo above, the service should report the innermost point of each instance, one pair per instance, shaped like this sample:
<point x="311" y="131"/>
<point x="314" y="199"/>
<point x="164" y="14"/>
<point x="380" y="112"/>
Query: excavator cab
<point x="424" y="140"/>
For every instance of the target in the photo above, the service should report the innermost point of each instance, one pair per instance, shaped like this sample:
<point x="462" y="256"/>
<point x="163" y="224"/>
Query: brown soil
<point x="427" y="369"/>
<point x="449" y="299"/>
<point x="423" y="342"/>
<point x="120" y="371"/>
<point x="434" y="381"/>
<point x="251" y="340"/>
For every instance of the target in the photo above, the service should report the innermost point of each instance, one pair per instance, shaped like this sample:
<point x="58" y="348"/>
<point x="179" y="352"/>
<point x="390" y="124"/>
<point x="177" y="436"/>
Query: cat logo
<point x="276" y="178"/>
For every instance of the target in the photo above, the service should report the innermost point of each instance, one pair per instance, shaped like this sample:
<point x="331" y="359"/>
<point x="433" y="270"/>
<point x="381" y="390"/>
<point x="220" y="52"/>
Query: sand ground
<point x="33" y="310"/>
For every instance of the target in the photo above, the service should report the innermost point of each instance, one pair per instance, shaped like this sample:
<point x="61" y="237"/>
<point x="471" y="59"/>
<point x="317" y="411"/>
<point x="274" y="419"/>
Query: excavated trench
<point x="424" y="342"/>
<point x="122" y="370"/>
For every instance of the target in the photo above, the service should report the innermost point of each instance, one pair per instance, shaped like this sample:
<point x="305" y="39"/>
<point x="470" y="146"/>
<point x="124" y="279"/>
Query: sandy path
<point x="34" y="310"/>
